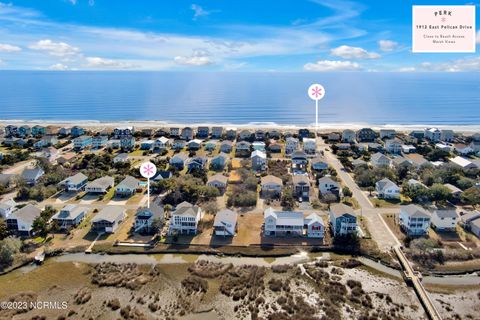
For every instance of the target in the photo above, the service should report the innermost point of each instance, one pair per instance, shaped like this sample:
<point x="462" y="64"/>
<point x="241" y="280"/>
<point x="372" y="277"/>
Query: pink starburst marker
<point x="148" y="170"/>
<point x="316" y="92"/>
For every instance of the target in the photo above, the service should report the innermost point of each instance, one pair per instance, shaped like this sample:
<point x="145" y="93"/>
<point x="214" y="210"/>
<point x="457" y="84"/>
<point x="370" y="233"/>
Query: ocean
<point x="241" y="97"/>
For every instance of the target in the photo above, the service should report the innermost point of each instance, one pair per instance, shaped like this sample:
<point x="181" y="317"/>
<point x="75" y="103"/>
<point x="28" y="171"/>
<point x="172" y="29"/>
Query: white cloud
<point x="8" y="48"/>
<point x="348" y="52"/>
<point x="407" y="69"/>
<point x="74" y="2"/>
<point x="199" y="11"/>
<point x="198" y="58"/>
<point x="331" y="65"/>
<point x="387" y="45"/>
<point x="101" y="63"/>
<point x="58" y="67"/>
<point x="58" y="49"/>
<point x="467" y="64"/>
<point x="478" y="37"/>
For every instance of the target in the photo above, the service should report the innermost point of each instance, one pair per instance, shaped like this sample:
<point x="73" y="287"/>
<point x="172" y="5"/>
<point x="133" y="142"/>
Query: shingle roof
<point x="340" y="209"/>
<point x="31" y="174"/>
<point x="386" y="183"/>
<point x="76" y="179"/>
<point x="103" y="182"/>
<point x="129" y="183"/>
<point x="70" y="211"/>
<point x="109" y="213"/>
<point x="218" y="177"/>
<point x="271" y="179"/>
<point x="26" y="214"/>
<point x="413" y="210"/>
<point x="186" y="209"/>
<point x="225" y="215"/>
<point x="298" y="178"/>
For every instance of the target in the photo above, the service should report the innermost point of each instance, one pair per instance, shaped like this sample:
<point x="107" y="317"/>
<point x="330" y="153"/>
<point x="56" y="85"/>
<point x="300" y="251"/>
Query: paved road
<point x="379" y="230"/>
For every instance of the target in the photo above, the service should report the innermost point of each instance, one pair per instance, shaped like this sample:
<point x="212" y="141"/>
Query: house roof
<point x="314" y="218"/>
<point x="32" y="174"/>
<point x="289" y="218"/>
<point x="129" y="183"/>
<point x="180" y="156"/>
<point x="218" y="177"/>
<point x="446" y="213"/>
<point x="258" y="153"/>
<point x="109" y="213"/>
<point x="327" y="180"/>
<point x="299" y="154"/>
<point x="339" y="209"/>
<point x="103" y="182"/>
<point x="163" y="140"/>
<point x="6" y="178"/>
<point x="462" y="162"/>
<point x="68" y="212"/>
<point x="227" y="142"/>
<point x="317" y="160"/>
<point x="271" y="179"/>
<point x="413" y="210"/>
<point x="26" y="214"/>
<point x="121" y="156"/>
<point x="417" y="159"/>
<point x="379" y="156"/>
<point x="476" y="223"/>
<point x="227" y="216"/>
<point x="186" y="209"/>
<point x="386" y="184"/>
<point x="300" y="178"/>
<point x="156" y="210"/>
<point x="470" y="216"/>
<point x="76" y="179"/>
<point x="196" y="141"/>
<point x="220" y="155"/>
<point x="7" y="204"/>
<point x="452" y="188"/>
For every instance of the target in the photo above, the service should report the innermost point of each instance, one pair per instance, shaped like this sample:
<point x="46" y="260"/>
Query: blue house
<point x="82" y="142"/>
<point x="127" y="143"/>
<point x="147" y="144"/>
<point x="70" y="216"/>
<point x="99" y="142"/>
<point x="24" y="131"/>
<point x="75" y="183"/>
<point x="77" y="131"/>
<point x="343" y="220"/>
<point x="39" y="131"/>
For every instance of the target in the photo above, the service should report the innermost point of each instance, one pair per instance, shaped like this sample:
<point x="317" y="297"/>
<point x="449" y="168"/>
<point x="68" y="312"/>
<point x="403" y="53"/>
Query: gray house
<point x="127" y="187"/>
<point x="75" y="183"/>
<point x="21" y="220"/>
<point x="31" y="176"/>
<point x="108" y="219"/>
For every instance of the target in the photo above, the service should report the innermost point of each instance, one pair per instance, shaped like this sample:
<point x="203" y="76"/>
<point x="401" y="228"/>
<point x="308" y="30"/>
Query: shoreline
<point x="322" y="127"/>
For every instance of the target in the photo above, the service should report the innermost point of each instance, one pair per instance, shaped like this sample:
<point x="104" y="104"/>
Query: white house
<point x="414" y="220"/>
<point x="145" y="217"/>
<point x="387" y="189"/>
<point x="387" y="133"/>
<point x="309" y="146"/>
<point x="21" y="220"/>
<point x="225" y="223"/>
<point x="315" y="228"/>
<point x="259" y="160"/>
<point x="283" y="223"/>
<point x="161" y="143"/>
<point x="463" y="163"/>
<point x="446" y="135"/>
<point x="433" y="134"/>
<point x="271" y="186"/>
<point x="463" y="149"/>
<point x="393" y="146"/>
<point x="444" y="219"/>
<point x="7" y="207"/>
<point x="185" y="219"/>
<point x="194" y="144"/>
<point x="258" y="145"/>
<point x="380" y="160"/>
<point x="291" y="144"/>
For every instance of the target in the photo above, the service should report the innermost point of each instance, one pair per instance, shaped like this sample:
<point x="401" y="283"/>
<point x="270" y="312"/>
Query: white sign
<point x="316" y="92"/>
<point x="443" y="28"/>
<point x="148" y="170"/>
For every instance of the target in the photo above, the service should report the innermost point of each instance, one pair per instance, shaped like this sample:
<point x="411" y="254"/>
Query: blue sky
<point x="246" y="35"/>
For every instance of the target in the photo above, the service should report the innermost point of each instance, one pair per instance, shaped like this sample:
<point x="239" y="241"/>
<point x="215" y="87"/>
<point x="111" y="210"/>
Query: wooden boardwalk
<point x="414" y="277"/>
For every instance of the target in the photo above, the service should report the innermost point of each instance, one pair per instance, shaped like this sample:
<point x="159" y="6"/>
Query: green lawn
<point x="382" y="203"/>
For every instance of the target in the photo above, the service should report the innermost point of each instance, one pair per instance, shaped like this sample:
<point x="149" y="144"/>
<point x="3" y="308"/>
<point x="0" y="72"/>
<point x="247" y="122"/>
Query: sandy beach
<point x="322" y="127"/>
